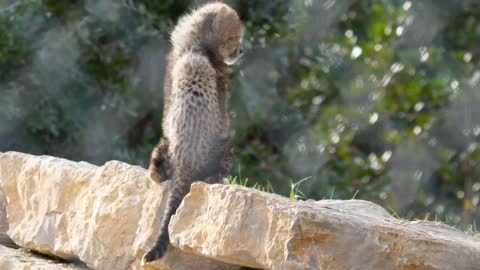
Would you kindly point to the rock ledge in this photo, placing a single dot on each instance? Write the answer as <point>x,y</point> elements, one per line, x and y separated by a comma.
<point>109,216</point>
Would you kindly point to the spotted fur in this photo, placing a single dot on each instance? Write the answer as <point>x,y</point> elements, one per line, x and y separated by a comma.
<point>196,141</point>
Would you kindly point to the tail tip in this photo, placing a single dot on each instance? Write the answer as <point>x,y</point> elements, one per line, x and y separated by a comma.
<point>147,259</point>
<point>153,255</point>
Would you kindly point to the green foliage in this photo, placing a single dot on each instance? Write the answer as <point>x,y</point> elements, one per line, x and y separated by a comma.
<point>295,192</point>
<point>372,99</point>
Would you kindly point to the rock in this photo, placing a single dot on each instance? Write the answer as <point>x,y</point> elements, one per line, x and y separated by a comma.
<point>17,259</point>
<point>3,215</point>
<point>104,216</point>
<point>243,226</point>
<point>360,207</point>
<point>109,216</point>
<point>4,239</point>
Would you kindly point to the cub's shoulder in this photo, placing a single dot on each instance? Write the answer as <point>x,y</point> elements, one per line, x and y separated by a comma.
<point>191,65</point>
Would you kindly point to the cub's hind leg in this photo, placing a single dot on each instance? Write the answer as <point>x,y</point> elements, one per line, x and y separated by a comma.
<point>160,168</point>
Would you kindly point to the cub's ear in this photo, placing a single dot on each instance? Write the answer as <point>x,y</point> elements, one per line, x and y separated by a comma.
<point>208,29</point>
<point>224,19</point>
<point>208,23</point>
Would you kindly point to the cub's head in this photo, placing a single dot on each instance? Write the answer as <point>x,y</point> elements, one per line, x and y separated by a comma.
<point>215,27</point>
<point>227,34</point>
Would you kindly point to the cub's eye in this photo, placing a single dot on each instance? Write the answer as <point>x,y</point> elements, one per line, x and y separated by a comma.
<point>230,41</point>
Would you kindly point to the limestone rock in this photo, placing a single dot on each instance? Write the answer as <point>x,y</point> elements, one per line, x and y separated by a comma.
<point>104,216</point>
<point>3,215</point>
<point>16,259</point>
<point>4,239</point>
<point>109,216</point>
<point>247,227</point>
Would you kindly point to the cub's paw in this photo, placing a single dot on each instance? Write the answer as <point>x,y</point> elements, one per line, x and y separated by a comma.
<point>213,179</point>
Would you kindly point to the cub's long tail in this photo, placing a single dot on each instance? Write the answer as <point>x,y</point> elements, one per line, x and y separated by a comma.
<point>181,186</point>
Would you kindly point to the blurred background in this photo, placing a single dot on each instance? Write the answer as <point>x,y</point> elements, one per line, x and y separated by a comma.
<point>373,99</point>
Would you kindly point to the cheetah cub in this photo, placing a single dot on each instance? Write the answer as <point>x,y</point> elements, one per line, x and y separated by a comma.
<point>196,141</point>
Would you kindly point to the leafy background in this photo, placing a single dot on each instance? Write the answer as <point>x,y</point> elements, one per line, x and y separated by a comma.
<point>374,99</point>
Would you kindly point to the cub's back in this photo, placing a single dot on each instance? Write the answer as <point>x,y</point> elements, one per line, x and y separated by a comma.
<point>193,123</point>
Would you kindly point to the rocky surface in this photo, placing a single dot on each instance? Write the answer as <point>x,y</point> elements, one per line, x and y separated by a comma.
<point>4,238</point>
<point>105,216</point>
<point>17,259</point>
<point>3,216</point>
<point>247,227</point>
<point>108,217</point>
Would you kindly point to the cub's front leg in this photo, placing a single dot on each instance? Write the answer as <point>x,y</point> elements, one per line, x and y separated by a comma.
<point>227,161</point>
<point>223,168</point>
